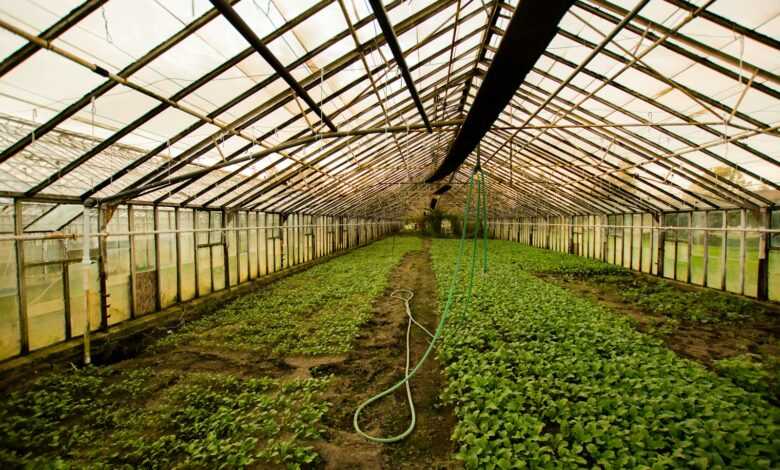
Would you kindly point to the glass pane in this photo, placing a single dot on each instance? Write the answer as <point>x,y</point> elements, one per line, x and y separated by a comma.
<point>218,267</point>
<point>627,241</point>
<point>168,268</point>
<point>647,243</point>
<point>118,269</point>
<point>669,247</point>
<point>715,242</point>
<point>774,275</point>
<point>76,275</point>
<point>232,237</point>
<point>733,253</point>
<point>681,273</point>
<point>636,243</point>
<point>682,261</point>
<point>145,265</point>
<point>752,240</point>
<point>204,271</point>
<point>187,275</point>
<point>45,297</point>
<point>10,340</point>
<point>252,222</point>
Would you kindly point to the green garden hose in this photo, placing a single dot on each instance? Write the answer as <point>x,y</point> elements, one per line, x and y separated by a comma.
<point>481,221</point>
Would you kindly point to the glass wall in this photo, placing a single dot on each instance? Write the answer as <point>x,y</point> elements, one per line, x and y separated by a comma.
<point>118,268</point>
<point>187,254</point>
<point>699,219</point>
<point>774,258</point>
<point>734,247</point>
<point>10,335</point>
<point>718,249</point>
<point>167,241</point>
<point>154,258</point>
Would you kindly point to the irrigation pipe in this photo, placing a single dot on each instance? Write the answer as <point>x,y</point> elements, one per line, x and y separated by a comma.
<point>481,220</point>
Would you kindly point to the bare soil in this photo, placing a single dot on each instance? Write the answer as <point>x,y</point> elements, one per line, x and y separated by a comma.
<point>702,342</point>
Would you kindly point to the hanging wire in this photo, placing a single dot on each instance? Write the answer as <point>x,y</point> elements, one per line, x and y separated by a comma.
<point>105,25</point>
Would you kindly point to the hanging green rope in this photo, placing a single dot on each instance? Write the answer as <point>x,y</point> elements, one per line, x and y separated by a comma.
<point>481,222</point>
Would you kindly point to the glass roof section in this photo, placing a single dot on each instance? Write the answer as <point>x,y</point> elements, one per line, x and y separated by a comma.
<point>634,106</point>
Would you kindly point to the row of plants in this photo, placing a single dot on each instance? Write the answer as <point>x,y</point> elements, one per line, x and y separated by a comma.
<point>649,293</point>
<point>543,379</point>
<point>318,311</point>
<point>102,417</point>
<point>132,416</point>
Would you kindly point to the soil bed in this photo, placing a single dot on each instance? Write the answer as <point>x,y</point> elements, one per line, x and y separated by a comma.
<point>756,335</point>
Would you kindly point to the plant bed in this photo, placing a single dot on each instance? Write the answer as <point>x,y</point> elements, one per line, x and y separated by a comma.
<point>265,381</point>
<point>542,377</point>
<point>737,337</point>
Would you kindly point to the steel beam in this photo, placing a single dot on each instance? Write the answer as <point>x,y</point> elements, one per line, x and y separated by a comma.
<point>533,25</point>
<point>240,25</point>
<point>398,55</point>
<point>52,32</point>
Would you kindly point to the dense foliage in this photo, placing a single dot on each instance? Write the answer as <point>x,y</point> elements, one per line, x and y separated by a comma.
<point>317,311</point>
<point>103,417</point>
<point>646,292</point>
<point>134,417</point>
<point>543,379</point>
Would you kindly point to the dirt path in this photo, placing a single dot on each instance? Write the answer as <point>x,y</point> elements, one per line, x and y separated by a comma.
<point>377,362</point>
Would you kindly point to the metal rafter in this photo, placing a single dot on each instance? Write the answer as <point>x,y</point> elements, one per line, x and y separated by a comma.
<point>240,25</point>
<point>398,55</point>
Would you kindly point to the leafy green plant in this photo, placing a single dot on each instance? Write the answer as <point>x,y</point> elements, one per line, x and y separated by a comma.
<point>543,379</point>
<point>762,376</point>
<point>106,417</point>
<point>318,311</point>
<point>201,421</point>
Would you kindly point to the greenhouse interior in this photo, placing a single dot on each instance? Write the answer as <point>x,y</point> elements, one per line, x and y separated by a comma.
<point>400,234</point>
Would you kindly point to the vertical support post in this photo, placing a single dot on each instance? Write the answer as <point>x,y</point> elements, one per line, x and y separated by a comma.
<point>723,248</point>
<point>661,245</point>
<point>66,298</point>
<point>604,220</point>
<point>764,243</point>
<point>211,250</point>
<point>742,242</point>
<point>195,241</point>
<point>630,241</point>
<point>571,234</point>
<point>706,248</point>
<point>103,218</point>
<point>547,233</point>
<point>676,249</point>
<point>131,237</point>
<point>86,262</point>
<point>690,247</point>
<point>177,238</point>
<point>225,249</point>
<point>24,326</point>
<point>156,225</point>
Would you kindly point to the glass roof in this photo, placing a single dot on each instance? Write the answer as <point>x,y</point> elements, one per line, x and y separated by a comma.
<point>634,106</point>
